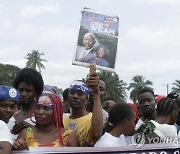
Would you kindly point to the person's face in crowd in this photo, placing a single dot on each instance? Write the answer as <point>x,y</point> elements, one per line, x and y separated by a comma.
<point>100,53</point>
<point>108,105</point>
<point>129,125</point>
<point>44,112</point>
<point>7,109</point>
<point>147,103</point>
<point>88,41</point>
<point>77,98</point>
<point>27,93</point>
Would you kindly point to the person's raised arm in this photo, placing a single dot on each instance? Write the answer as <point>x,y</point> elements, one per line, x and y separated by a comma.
<point>97,117</point>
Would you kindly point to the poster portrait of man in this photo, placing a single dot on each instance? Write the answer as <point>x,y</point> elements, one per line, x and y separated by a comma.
<point>87,52</point>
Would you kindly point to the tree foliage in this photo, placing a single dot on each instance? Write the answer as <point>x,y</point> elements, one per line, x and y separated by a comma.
<point>176,86</point>
<point>137,83</point>
<point>7,74</point>
<point>115,88</point>
<point>35,60</point>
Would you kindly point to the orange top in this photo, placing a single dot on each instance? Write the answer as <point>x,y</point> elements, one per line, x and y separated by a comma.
<point>31,141</point>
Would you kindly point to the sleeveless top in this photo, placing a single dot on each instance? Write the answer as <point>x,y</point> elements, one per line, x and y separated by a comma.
<point>31,141</point>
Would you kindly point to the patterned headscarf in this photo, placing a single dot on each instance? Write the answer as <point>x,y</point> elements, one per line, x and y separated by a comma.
<point>79,85</point>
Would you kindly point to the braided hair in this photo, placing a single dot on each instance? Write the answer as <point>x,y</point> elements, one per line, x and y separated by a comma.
<point>58,113</point>
<point>167,105</point>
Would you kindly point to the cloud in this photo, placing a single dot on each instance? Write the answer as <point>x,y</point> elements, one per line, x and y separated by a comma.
<point>163,68</point>
<point>13,56</point>
<point>142,41</point>
<point>104,1</point>
<point>151,52</point>
<point>5,26</point>
<point>57,42</point>
<point>63,73</point>
<point>33,10</point>
<point>147,37</point>
<point>50,39</point>
<point>153,2</point>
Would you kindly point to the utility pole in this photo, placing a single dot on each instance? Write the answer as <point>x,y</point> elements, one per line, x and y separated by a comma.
<point>167,88</point>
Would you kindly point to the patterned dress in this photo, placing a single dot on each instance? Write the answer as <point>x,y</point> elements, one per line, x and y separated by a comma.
<point>31,141</point>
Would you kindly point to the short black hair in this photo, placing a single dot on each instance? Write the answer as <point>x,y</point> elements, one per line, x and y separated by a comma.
<point>65,94</point>
<point>144,90</point>
<point>30,76</point>
<point>117,114</point>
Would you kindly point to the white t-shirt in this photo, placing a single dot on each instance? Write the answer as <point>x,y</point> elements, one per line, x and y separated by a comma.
<point>105,116</point>
<point>139,123</point>
<point>107,140</point>
<point>165,130</point>
<point>5,134</point>
<point>10,125</point>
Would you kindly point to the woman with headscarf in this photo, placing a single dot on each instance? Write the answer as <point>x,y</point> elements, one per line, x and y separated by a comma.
<point>101,51</point>
<point>49,130</point>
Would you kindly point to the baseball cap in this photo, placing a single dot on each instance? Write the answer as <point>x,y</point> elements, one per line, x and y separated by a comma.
<point>9,93</point>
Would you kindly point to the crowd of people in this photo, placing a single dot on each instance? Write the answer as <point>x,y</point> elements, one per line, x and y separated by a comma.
<point>84,117</point>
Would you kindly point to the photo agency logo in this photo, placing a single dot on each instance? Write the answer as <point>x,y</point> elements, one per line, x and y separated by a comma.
<point>139,139</point>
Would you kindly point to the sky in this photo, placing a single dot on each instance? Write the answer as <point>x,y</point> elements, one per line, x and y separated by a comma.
<point>148,43</point>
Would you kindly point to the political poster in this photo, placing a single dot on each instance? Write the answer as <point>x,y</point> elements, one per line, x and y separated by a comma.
<point>97,40</point>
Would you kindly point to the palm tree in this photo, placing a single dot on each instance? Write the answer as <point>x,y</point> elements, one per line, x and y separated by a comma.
<point>35,60</point>
<point>176,87</point>
<point>138,82</point>
<point>115,88</point>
